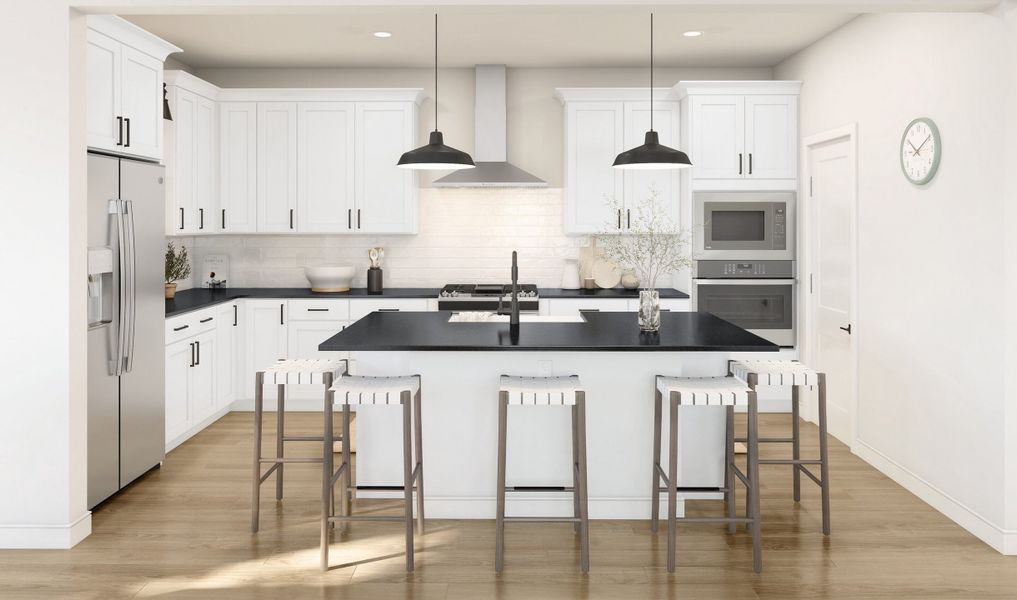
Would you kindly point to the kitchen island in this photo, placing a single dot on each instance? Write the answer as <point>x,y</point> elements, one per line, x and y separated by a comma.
<point>460,364</point>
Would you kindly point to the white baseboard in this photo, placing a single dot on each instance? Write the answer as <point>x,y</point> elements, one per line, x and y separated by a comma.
<point>292,405</point>
<point>46,536</point>
<point>1002,540</point>
<point>180,439</point>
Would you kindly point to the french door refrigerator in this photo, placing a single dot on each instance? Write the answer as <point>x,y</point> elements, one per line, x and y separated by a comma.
<point>126,331</point>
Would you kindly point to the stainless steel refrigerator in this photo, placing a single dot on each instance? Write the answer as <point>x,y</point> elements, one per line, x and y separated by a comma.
<point>126,331</point>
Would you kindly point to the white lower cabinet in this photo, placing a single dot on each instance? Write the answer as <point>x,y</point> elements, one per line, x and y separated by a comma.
<point>190,386</point>
<point>178,377</point>
<point>227,344</point>
<point>265,339</point>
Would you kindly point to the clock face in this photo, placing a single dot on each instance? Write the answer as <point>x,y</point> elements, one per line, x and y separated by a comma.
<point>920,150</point>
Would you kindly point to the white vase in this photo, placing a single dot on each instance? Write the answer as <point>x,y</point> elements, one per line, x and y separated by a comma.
<point>629,279</point>
<point>570,275</point>
<point>649,310</point>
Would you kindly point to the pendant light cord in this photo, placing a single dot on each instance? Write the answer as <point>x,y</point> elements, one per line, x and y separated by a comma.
<point>436,71</point>
<point>651,71</point>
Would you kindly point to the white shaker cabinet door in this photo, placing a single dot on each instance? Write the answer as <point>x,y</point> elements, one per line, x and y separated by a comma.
<point>593,138</point>
<point>103,72</point>
<point>771,136</point>
<point>238,169</point>
<point>180,162</point>
<point>277,167</point>
<point>325,167</point>
<point>304,338</point>
<point>386,196</point>
<point>227,334</point>
<point>718,137</point>
<point>265,336</point>
<point>142,104</point>
<point>639,183</point>
<point>202,392</point>
<point>179,357</point>
<point>205,198</point>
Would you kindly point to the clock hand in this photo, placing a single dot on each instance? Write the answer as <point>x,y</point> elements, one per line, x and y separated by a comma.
<point>922,145</point>
<point>913,147</point>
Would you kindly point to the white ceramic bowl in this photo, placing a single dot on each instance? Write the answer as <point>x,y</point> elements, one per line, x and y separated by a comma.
<point>330,278</point>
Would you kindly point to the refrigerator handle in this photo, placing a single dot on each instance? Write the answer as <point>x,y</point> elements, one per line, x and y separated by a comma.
<point>116,209</point>
<point>132,268</point>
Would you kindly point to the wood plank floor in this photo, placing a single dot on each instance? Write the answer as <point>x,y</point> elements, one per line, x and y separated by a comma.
<point>182,532</point>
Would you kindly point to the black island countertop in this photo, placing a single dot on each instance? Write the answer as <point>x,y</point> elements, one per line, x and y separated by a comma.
<point>198,298</point>
<point>600,331</point>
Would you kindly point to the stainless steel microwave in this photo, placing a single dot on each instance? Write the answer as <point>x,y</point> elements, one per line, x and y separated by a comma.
<point>744,225</point>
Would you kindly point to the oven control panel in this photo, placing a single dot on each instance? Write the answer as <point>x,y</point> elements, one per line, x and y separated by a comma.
<point>779,226</point>
<point>745,269</point>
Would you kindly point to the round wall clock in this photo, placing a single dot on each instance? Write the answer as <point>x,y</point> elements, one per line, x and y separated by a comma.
<point>920,149</point>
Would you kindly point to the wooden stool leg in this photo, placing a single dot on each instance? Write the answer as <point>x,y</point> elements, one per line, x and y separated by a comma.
<point>655,491</point>
<point>823,456</point>
<point>279,432</point>
<point>575,466</point>
<point>499,535</point>
<point>584,511</point>
<point>419,446</point>
<point>672,485</point>
<point>327,498</point>
<point>729,477</point>
<point>408,476</point>
<point>346,481</point>
<point>259,379</point>
<point>796,444</point>
<point>753,476</point>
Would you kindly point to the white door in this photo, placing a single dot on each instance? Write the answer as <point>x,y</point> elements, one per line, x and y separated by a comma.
<point>227,325</point>
<point>103,72</point>
<point>202,393</point>
<point>277,167</point>
<point>771,137</point>
<point>639,183</point>
<point>325,167</point>
<point>205,200</point>
<point>832,226</point>
<point>142,104</point>
<point>264,340</point>
<point>179,358</point>
<point>185,216</point>
<point>385,194</point>
<point>594,137</point>
<point>304,338</point>
<point>238,168</point>
<point>718,137</point>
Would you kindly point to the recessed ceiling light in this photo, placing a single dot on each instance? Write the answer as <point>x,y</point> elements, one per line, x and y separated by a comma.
<point>693,33</point>
<point>382,34</point>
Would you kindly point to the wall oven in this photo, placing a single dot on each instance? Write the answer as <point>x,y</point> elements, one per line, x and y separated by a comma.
<point>740,225</point>
<point>757,295</point>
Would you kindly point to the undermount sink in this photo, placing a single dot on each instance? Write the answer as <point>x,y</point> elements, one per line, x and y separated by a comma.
<point>330,278</point>
<point>487,317</point>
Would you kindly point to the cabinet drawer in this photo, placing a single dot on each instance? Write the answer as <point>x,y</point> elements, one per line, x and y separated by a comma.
<point>672,304</point>
<point>319,310</point>
<point>572,306</point>
<point>361,308</point>
<point>184,326</point>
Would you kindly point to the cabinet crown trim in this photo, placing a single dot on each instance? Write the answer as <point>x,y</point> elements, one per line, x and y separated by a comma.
<point>184,80</point>
<point>415,95</point>
<point>128,33</point>
<point>635,94</point>
<point>690,88</point>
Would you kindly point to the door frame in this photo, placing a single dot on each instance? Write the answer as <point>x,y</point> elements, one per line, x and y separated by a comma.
<point>807,229</point>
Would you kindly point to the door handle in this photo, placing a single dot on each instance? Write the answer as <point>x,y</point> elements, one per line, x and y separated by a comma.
<point>120,131</point>
<point>628,218</point>
<point>388,310</point>
<point>197,345</point>
<point>133,278</point>
<point>358,218</point>
<point>317,310</point>
<point>619,218</point>
<point>750,163</point>
<point>739,163</point>
<point>234,315</point>
<point>181,217</point>
<point>291,218</point>
<point>847,329</point>
<point>127,121</point>
<point>205,320</point>
<point>224,219</point>
<point>192,355</point>
<point>181,328</point>
<point>201,218</point>
<point>281,307</point>
<point>349,218</point>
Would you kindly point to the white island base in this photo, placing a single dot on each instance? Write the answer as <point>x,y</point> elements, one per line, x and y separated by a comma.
<point>460,418</point>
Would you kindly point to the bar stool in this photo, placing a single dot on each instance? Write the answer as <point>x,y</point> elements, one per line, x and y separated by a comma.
<point>282,373</point>
<point>796,375</point>
<point>352,390</point>
<point>706,391</point>
<point>546,391</point>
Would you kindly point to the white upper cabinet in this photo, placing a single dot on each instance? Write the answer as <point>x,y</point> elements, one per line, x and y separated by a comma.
<point>190,156</point>
<point>238,168</point>
<point>124,87</point>
<point>325,167</point>
<point>386,196</point>
<point>742,134</point>
<point>599,124</point>
<point>277,167</point>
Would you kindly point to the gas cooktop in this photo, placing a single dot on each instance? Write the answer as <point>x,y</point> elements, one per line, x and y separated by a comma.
<point>486,290</point>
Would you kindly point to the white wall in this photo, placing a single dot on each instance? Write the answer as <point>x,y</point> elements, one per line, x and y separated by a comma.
<point>931,299</point>
<point>534,115</point>
<point>1011,257</point>
<point>42,433</point>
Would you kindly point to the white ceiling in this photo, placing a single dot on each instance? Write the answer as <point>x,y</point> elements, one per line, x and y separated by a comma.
<point>520,36</point>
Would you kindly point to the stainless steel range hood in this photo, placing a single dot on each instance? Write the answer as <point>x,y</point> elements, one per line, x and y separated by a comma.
<point>493,170</point>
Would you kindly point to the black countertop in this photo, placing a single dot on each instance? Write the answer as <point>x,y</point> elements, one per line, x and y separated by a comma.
<point>197,298</point>
<point>601,331</point>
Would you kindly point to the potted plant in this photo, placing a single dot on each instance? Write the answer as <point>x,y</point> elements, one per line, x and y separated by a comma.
<point>653,246</point>
<point>178,267</point>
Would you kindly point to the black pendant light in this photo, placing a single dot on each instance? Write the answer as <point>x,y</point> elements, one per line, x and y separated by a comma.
<point>652,155</point>
<point>436,155</point>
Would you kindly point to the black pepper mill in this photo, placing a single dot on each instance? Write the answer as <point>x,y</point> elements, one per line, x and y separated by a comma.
<point>374,273</point>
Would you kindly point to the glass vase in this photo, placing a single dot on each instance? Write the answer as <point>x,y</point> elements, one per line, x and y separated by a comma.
<point>649,310</point>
